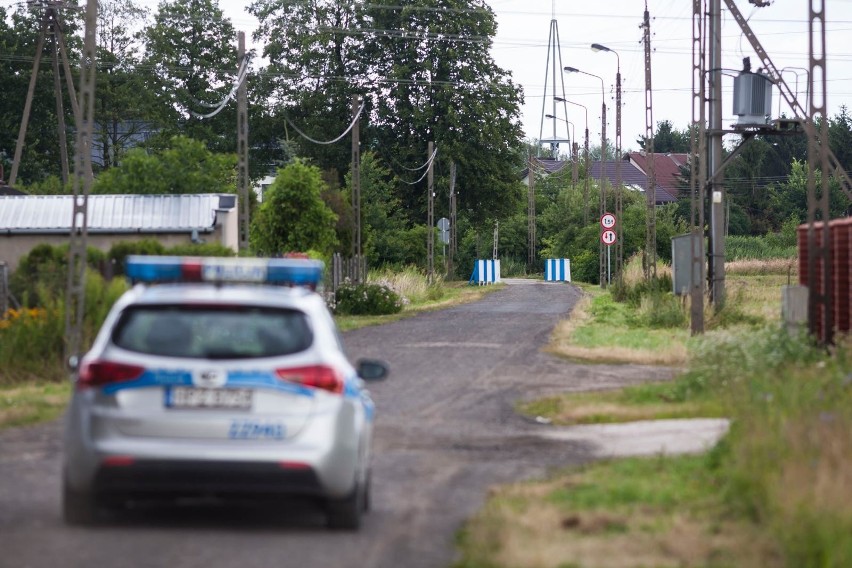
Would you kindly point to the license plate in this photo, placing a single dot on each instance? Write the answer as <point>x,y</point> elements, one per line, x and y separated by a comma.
<point>189,397</point>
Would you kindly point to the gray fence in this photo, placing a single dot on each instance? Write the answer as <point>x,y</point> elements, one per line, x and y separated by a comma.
<point>352,269</point>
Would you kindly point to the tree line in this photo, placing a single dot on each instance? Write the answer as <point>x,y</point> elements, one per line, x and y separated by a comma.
<point>424,72</point>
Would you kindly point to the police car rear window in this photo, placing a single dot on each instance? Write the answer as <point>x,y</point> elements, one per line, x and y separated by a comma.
<point>212,332</point>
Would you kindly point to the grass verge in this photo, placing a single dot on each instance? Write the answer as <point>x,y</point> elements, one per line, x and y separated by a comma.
<point>777,491</point>
<point>660,512</point>
<point>30,403</point>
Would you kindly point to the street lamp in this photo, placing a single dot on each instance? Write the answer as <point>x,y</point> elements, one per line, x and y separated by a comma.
<point>618,189</point>
<point>573,146</point>
<point>588,171</point>
<point>602,260</point>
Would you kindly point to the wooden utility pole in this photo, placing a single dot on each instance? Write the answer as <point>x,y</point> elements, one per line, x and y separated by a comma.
<point>242,145</point>
<point>75,290</point>
<point>356,179</point>
<point>531,214</point>
<point>430,240</point>
<point>453,218</point>
<point>50,22</point>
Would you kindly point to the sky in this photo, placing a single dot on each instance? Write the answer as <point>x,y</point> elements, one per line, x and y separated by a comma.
<point>521,47</point>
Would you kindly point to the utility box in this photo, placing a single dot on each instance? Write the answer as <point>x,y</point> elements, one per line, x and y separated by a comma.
<point>752,98</point>
<point>683,271</point>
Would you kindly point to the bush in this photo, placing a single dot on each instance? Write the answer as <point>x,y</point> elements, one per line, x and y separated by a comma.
<point>366,300</point>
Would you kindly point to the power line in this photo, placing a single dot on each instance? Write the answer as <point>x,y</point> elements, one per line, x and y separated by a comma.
<point>309,139</point>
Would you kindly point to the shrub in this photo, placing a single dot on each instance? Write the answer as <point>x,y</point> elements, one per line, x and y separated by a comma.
<point>366,300</point>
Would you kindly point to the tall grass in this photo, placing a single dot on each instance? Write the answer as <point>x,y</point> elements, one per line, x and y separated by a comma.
<point>410,283</point>
<point>787,463</point>
<point>32,339</point>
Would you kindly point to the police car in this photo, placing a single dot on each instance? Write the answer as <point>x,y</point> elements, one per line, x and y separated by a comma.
<point>219,378</point>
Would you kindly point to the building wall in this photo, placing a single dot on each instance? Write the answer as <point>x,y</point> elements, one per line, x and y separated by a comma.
<point>14,247</point>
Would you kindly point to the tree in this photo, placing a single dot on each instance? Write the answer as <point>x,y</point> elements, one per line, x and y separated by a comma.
<point>840,137</point>
<point>440,83</point>
<point>18,41</point>
<point>122,101</point>
<point>191,59</point>
<point>316,65</point>
<point>186,166</point>
<point>293,216</point>
<point>667,140</point>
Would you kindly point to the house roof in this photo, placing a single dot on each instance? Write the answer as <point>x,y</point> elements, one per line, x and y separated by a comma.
<point>9,190</point>
<point>546,166</point>
<point>630,176</point>
<point>114,213</point>
<point>666,169</point>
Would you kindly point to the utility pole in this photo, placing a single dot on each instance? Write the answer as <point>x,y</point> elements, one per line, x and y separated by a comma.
<point>601,248</point>
<point>430,241</point>
<point>356,178</point>
<point>50,21</point>
<point>531,214</point>
<point>698,169</point>
<point>716,188</point>
<point>820,279</point>
<point>242,147</point>
<point>76,288</point>
<point>650,261</point>
<point>619,227</point>
<point>452,252</point>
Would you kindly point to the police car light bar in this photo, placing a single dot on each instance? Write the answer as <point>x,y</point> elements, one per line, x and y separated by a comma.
<point>282,271</point>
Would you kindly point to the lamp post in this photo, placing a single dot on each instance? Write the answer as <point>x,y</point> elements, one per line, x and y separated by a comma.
<point>586,162</point>
<point>602,257</point>
<point>619,255</point>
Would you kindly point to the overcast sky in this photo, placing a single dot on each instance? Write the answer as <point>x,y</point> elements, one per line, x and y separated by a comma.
<point>521,47</point>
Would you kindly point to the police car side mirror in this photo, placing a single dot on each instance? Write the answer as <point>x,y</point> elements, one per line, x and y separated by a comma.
<point>372,369</point>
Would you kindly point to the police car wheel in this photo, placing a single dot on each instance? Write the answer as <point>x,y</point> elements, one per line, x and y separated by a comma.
<point>78,507</point>
<point>345,514</point>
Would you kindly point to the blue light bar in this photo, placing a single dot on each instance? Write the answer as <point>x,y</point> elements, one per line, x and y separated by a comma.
<point>280,271</point>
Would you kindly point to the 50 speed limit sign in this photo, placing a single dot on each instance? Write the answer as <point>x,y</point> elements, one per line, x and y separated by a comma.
<point>608,237</point>
<point>607,220</point>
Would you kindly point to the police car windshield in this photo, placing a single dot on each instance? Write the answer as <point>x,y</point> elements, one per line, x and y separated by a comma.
<point>212,332</point>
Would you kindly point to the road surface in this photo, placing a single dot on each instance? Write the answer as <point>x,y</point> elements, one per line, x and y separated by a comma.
<point>446,430</point>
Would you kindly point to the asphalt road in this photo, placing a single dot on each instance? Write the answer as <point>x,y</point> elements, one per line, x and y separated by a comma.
<point>445,431</point>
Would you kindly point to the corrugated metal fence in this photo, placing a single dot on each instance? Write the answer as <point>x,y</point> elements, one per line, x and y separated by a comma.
<point>840,233</point>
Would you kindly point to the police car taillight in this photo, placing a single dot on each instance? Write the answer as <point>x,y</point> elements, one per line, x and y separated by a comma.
<point>99,373</point>
<point>315,376</point>
<point>283,271</point>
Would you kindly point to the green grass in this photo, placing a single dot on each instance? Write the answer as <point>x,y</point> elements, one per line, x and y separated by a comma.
<point>32,403</point>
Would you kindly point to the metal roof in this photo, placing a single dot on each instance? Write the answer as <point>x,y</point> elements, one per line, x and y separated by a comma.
<point>113,213</point>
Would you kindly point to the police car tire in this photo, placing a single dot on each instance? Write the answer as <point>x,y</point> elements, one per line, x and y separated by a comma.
<point>78,507</point>
<point>345,514</point>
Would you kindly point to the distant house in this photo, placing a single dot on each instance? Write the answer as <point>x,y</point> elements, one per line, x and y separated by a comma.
<point>633,177</point>
<point>29,220</point>
<point>667,170</point>
<point>544,166</point>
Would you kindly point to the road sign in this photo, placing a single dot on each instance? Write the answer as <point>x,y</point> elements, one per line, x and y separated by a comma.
<point>443,224</point>
<point>607,220</point>
<point>608,237</point>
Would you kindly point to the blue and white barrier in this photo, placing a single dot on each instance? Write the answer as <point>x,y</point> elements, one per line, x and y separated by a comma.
<point>557,269</point>
<point>485,272</point>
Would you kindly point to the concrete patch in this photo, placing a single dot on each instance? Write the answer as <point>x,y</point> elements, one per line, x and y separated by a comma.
<point>644,438</point>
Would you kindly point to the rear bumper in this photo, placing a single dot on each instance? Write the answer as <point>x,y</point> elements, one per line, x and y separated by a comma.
<point>189,478</point>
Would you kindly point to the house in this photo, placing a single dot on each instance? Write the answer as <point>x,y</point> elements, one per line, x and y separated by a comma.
<point>667,170</point>
<point>633,177</point>
<point>545,166</point>
<point>29,220</point>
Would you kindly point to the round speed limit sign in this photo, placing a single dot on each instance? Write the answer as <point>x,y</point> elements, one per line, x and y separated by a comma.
<point>608,237</point>
<point>607,220</point>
